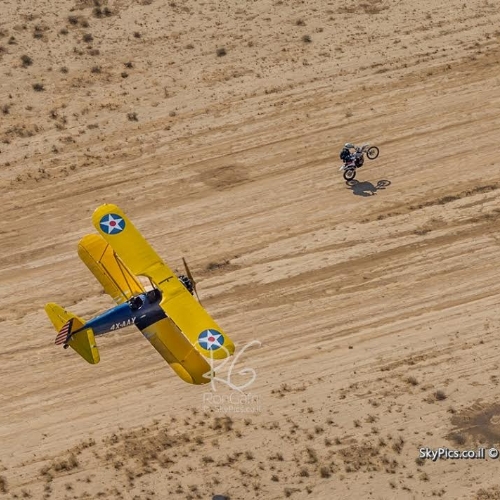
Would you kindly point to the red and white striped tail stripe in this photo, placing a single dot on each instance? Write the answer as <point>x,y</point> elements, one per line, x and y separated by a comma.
<point>63,333</point>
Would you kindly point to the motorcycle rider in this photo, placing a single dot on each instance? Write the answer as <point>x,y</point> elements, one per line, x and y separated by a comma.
<point>345,155</point>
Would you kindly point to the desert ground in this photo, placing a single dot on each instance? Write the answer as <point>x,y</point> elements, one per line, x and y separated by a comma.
<point>367,314</point>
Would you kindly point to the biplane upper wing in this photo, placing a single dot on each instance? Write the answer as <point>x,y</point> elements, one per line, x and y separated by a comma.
<point>114,276</point>
<point>179,305</point>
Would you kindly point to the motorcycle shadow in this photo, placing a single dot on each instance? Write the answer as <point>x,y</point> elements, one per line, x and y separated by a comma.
<point>366,188</point>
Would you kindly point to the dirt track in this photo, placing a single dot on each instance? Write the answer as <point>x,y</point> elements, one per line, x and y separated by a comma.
<point>376,304</point>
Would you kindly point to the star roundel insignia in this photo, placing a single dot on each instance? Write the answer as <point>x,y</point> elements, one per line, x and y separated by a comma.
<point>211,340</point>
<point>112,224</point>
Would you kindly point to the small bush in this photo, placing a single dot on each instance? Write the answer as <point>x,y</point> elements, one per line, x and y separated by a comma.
<point>397,446</point>
<point>99,12</point>
<point>4,485</point>
<point>38,87</point>
<point>440,396</point>
<point>313,456</point>
<point>66,465</point>
<point>325,472</point>
<point>87,38</point>
<point>458,438</point>
<point>26,60</point>
<point>307,39</point>
<point>132,117</point>
<point>221,51</point>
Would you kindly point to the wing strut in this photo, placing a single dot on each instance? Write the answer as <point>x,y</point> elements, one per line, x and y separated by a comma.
<point>190,276</point>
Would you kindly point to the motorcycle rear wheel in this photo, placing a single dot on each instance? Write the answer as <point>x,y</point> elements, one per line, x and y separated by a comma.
<point>372,152</point>
<point>349,174</point>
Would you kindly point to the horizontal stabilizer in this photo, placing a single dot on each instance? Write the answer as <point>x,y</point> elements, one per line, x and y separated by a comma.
<point>71,332</point>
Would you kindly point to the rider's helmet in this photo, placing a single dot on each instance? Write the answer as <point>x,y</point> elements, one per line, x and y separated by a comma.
<point>349,145</point>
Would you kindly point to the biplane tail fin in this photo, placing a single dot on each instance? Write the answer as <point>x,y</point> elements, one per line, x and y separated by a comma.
<point>71,332</point>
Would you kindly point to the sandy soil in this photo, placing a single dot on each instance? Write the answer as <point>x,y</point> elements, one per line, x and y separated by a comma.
<point>375,305</point>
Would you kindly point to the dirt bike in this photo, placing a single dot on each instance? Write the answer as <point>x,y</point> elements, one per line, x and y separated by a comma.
<point>357,160</point>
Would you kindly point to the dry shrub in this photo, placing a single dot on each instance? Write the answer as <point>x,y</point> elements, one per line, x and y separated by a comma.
<point>4,485</point>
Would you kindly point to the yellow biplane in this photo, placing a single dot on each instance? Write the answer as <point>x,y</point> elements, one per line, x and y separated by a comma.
<point>168,315</point>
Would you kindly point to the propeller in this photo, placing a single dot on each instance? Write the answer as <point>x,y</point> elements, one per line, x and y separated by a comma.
<point>190,276</point>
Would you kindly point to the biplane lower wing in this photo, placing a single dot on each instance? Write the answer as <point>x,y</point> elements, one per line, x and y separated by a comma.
<point>179,305</point>
<point>178,352</point>
<point>198,326</point>
<point>114,276</point>
<point>83,342</point>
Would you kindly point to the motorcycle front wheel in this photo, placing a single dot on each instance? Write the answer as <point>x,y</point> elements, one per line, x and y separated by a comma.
<point>372,152</point>
<point>349,174</point>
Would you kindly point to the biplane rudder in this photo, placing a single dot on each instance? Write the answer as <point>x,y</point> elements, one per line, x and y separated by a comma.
<point>83,341</point>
